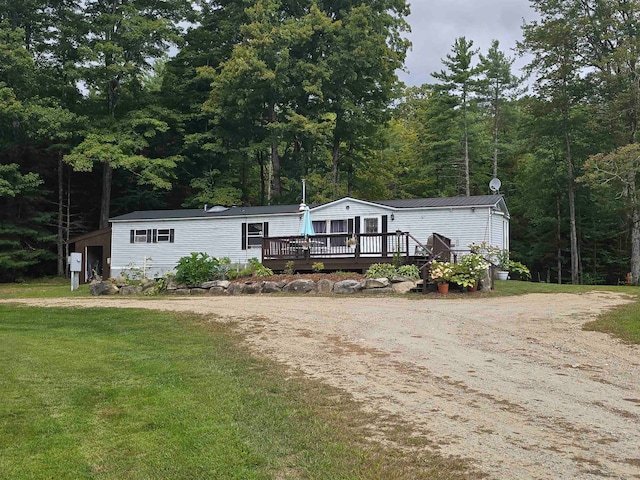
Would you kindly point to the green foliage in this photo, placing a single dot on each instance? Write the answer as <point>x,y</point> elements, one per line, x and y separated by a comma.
<point>257,269</point>
<point>470,269</point>
<point>288,267</point>
<point>380,270</point>
<point>196,268</point>
<point>442,272</point>
<point>520,269</point>
<point>317,267</point>
<point>409,271</point>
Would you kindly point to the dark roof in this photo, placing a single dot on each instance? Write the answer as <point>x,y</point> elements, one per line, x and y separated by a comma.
<point>201,213</point>
<point>477,201</point>
<point>473,201</point>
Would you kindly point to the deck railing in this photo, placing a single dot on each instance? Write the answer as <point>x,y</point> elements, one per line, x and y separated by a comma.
<point>337,245</point>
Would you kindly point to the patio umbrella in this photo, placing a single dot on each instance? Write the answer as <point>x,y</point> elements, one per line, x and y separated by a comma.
<point>307,225</point>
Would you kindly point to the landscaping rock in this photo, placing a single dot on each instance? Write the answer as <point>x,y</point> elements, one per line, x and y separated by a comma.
<point>271,287</point>
<point>400,279</point>
<point>252,288</point>
<point>325,286</point>
<point>378,291</point>
<point>300,286</point>
<point>131,290</point>
<point>217,291</point>
<point>147,285</point>
<point>103,288</point>
<point>182,291</point>
<point>376,283</point>
<point>235,289</point>
<point>346,287</point>
<point>198,291</point>
<point>403,287</point>
<point>216,283</point>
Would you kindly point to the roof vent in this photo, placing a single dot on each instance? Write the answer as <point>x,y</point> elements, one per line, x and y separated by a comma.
<point>217,209</point>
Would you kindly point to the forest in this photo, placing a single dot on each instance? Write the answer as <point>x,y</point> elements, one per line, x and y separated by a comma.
<point>110,106</point>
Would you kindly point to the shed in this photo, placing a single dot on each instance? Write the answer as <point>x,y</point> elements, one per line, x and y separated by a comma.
<point>95,248</point>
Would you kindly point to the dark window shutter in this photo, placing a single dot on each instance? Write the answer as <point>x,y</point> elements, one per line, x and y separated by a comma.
<point>132,237</point>
<point>149,236</point>
<point>357,225</point>
<point>155,235</point>
<point>350,226</point>
<point>385,238</point>
<point>244,236</point>
<point>171,235</point>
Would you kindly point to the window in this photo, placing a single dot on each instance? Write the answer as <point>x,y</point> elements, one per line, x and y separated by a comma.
<point>339,226</point>
<point>164,235</point>
<point>152,236</point>
<point>253,233</point>
<point>139,236</point>
<point>371,225</point>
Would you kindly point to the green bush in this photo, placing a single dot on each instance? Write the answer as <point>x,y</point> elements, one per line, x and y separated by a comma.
<point>288,267</point>
<point>317,267</point>
<point>256,268</point>
<point>196,269</point>
<point>410,271</point>
<point>380,270</point>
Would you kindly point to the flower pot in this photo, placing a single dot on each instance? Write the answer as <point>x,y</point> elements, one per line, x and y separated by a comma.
<point>443,288</point>
<point>474,287</point>
<point>502,275</point>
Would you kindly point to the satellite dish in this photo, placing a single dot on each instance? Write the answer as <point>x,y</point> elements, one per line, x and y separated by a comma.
<point>494,185</point>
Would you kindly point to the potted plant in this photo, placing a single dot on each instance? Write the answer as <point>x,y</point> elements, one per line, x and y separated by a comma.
<point>441,273</point>
<point>352,242</point>
<point>502,264</point>
<point>518,271</point>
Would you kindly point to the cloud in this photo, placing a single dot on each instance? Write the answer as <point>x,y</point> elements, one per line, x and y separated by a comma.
<point>435,25</point>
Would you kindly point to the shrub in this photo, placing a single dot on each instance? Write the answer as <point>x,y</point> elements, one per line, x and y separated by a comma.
<point>196,268</point>
<point>410,271</point>
<point>288,267</point>
<point>317,267</point>
<point>519,268</point>
<point>256,268</point>
<point>380,270</point>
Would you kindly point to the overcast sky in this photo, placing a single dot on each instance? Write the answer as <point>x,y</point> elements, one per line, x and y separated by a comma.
<point>435,24</point>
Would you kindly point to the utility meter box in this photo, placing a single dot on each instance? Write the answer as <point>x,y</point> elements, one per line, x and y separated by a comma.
<point>75,262</point>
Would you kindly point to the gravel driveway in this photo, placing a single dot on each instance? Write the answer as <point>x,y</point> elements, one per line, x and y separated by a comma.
<point>511,383</point>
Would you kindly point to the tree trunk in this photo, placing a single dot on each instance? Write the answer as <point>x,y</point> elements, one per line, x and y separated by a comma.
<point>335,165</point>
<point>575,261</point>
<point>559,238</point>
<point>60,226</point>
<point>105,204</point>
<point>276,187</point>
<point>466,150</point>
<point>635,230</point>
<point>495,135</point>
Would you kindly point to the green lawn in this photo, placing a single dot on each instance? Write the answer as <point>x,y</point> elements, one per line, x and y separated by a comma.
<point>108,393</point>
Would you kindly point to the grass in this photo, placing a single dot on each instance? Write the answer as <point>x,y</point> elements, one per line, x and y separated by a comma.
<point>622,322</point>
<point>110,394</point>
<point>54,287</point>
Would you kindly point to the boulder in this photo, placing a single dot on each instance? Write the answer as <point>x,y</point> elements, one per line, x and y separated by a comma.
<point>325,286</point>
<point>400,279</point>
<point>103,288</point>
<point>347,287</point>
<point>217,291</point>
<point>252,288</point>
<point>300,286</point>
<point>378,291</point>
<point>131,290</point>
<point>216,283</point>
<point>147,285</point>
<point>197,291</point>
<point>403,287</point>
<point>376,283</point>
<point>181,291</point>
<point>235,289</point>
<point>271,287</point>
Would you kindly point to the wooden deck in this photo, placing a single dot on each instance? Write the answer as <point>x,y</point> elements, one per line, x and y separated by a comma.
<point>338,251</point>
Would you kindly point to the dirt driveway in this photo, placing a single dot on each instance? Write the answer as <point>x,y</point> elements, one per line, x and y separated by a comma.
<point>511,383</point>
